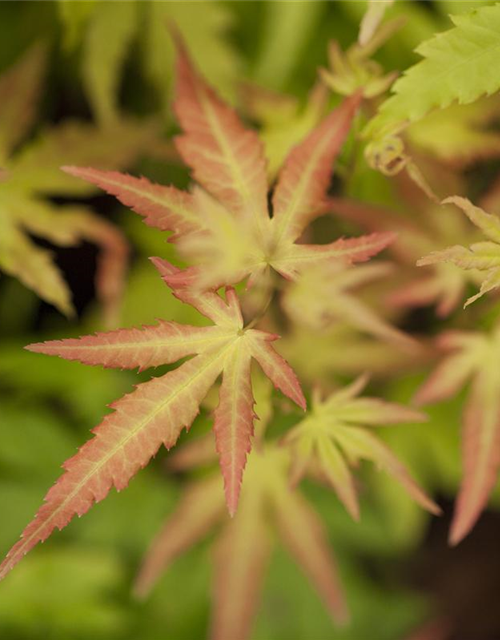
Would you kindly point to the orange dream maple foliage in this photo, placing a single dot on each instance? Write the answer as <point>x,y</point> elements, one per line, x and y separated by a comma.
<point>229,205</point>
<point>272,506</point>
<point>268,509</point>
<point>465,356</point>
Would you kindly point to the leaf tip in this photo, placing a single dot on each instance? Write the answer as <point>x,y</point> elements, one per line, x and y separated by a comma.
<point>458,532</point>
<point>72,170</point>
<point>35,347</point>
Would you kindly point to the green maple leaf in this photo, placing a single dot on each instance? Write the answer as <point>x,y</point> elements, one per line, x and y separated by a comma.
<point>32,172</point>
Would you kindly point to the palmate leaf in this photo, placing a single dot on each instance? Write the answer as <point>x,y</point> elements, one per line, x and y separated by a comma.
<point>482,257</point>
<point>471,355</point>
<point>225,228</point>
<point>331,438</point>
<point>324,296</point>
<point>157,411</point>
<point>33,172</point>
<point>459,66</point>
<point>244,545</point>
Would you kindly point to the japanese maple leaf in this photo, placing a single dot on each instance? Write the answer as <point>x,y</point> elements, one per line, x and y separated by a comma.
<point>243,547</point>
<point>158,410</point>
<point>471,356</point>
<point>225,226</point>
<point>323,296</point>
<point>443,285</point>
<point>32,172</point>
<point>332,437</point>
<point>481,257</point>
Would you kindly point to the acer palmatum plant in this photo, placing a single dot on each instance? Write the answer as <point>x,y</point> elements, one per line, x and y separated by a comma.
<point>224,229</point>
<point>245,233</point>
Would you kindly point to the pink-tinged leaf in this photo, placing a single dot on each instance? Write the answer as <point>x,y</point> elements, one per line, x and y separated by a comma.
<point>362,444</point>
<point>200,508</point>
<point>455,369</point>
<point>207,303</point>
<point>480,452</point>
<point>149,346</point>
<point>337,474</point>
<point>241,557</point>
<point>124,442</point>
<point>303,533</point>
<point>19,89</point>
<point>166,208</point>
<point>303,182</point>
<point>446,380</point>
<point>226,158</point>
<point>275,367</point>
<point>445,287</point>
<point>233,422</point>
<point>294,258</point>
<point>157,411</point>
